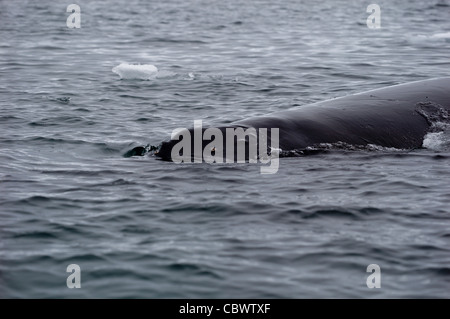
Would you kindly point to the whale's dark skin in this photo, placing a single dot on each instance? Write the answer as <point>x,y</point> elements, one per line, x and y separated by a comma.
<point>394,116</point>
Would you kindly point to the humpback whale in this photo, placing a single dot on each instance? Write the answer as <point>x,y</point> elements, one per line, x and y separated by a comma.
<point>397,116</point>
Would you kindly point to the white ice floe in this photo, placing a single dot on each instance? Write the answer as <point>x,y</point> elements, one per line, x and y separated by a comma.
<point>136,71</point>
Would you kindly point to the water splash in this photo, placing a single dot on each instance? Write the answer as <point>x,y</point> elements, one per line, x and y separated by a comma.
<point>438,138</point>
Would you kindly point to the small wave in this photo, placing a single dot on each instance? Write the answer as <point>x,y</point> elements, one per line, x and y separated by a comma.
<point>141,150</point>
<point>136,71</point>
<point>428,39</point>
<point>445,35</point>
<point>334,212</point>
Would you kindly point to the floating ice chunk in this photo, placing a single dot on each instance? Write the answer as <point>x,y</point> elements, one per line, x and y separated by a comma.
<point>136,71</point>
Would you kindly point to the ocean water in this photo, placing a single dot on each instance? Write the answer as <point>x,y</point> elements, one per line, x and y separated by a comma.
<point>74,101</point>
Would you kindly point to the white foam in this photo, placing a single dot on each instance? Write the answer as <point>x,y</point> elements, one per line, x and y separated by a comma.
<point>136,71</point>
<point>434,141</point>
<point>445,35</point>
<point>438,139</point>
<point>426,38</point>
<point>351,147</point>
